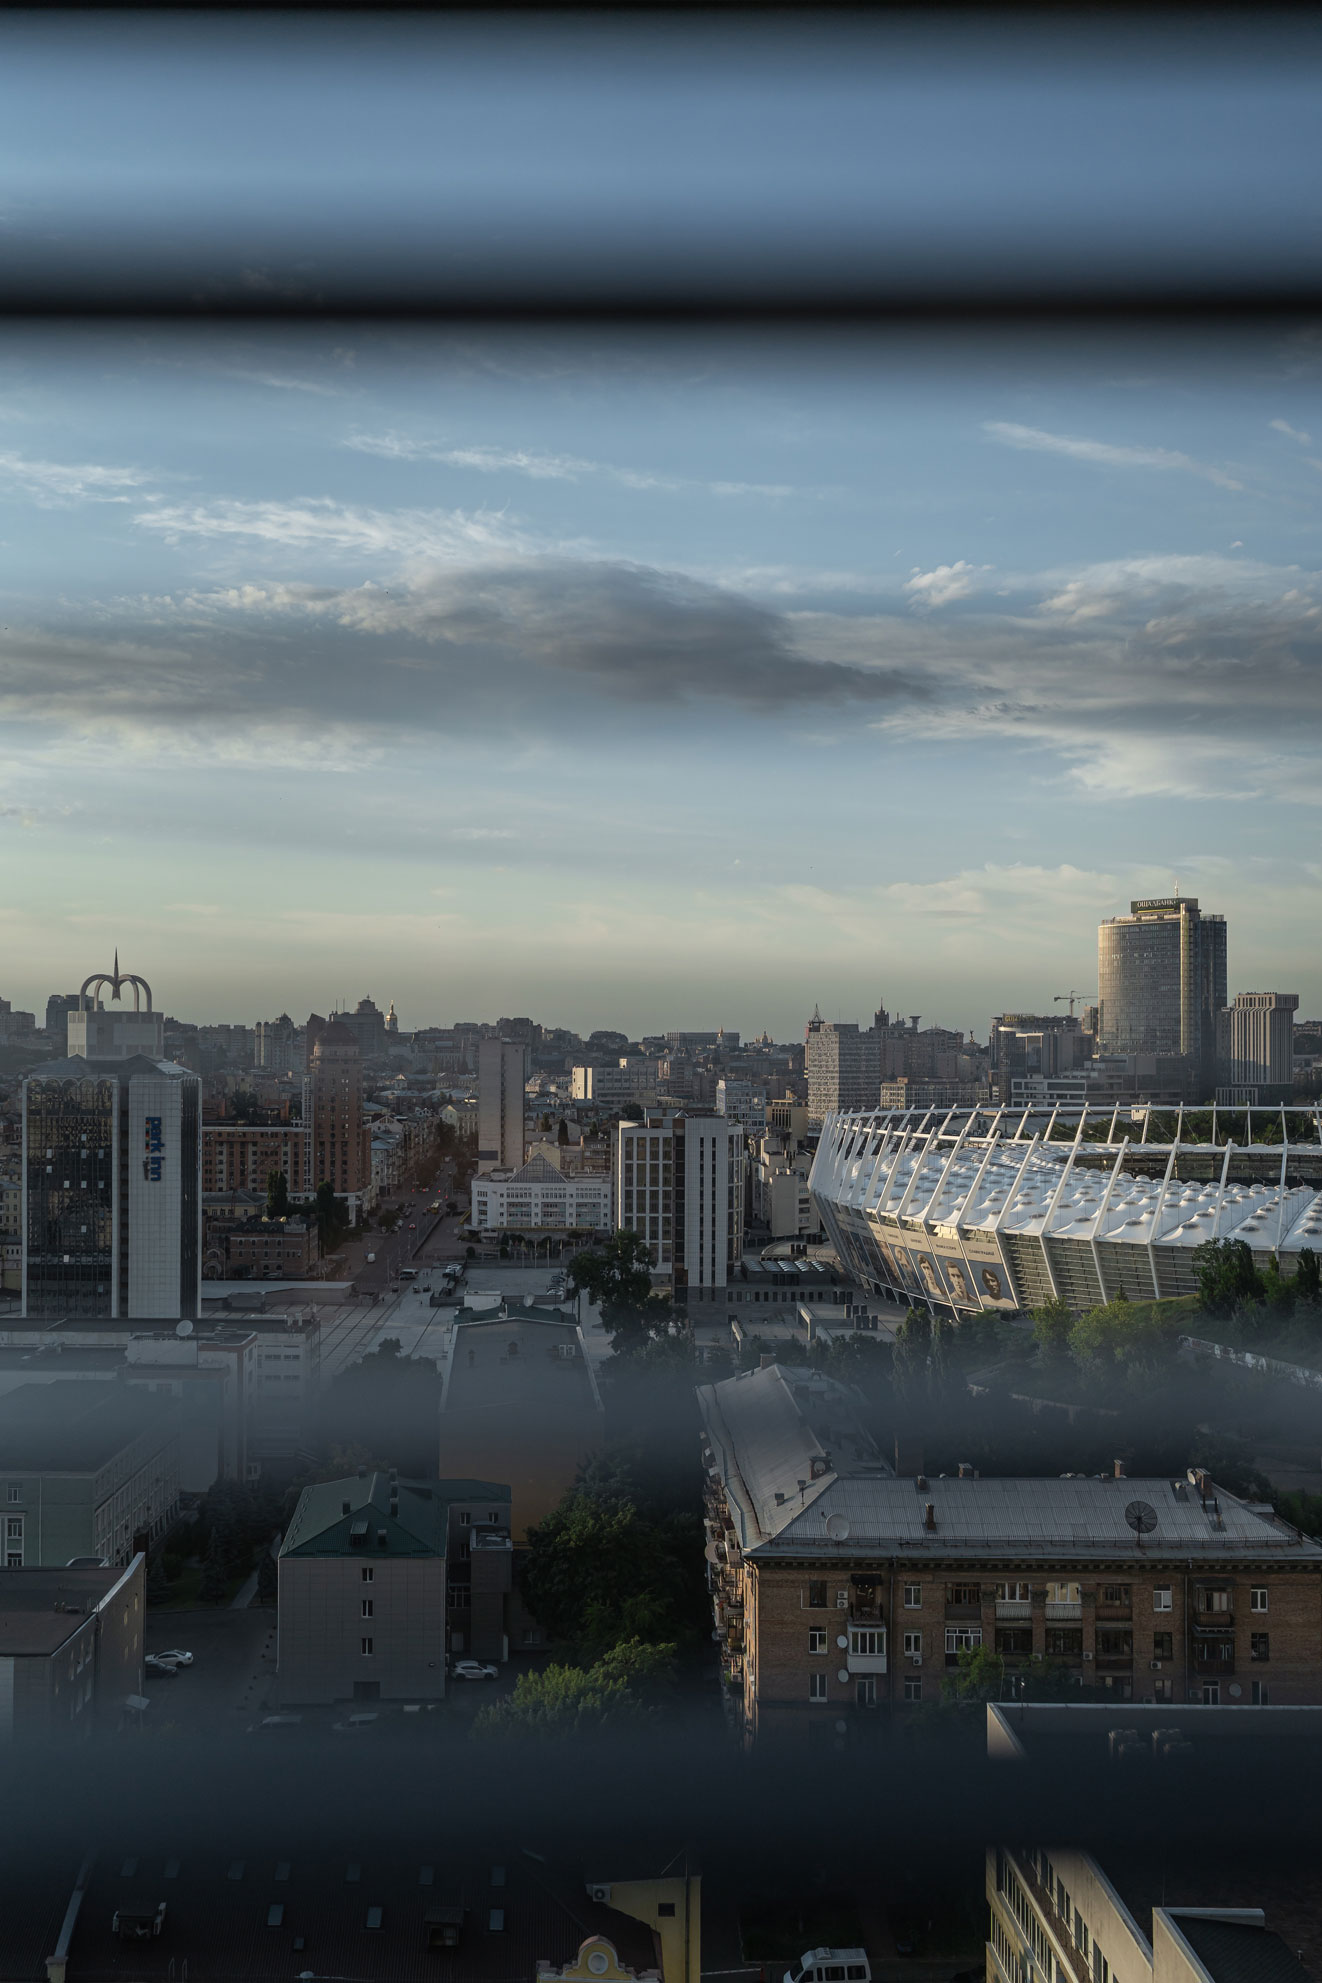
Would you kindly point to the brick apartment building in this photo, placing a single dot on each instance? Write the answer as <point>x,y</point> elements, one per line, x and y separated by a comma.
<point>240,1156</point>
<point>839,1588</point>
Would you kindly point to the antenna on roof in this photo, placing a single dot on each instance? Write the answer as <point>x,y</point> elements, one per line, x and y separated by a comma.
<point>1142,1519</point>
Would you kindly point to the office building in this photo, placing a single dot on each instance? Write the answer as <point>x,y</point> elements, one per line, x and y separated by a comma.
<point>960,1212</point>
<point>538,1197</point>
<point>88,1469</point>
<point>1161,980</point>
<point>633,1079</point>
<point>341,1145</point>
<point>1025,1046</point>
<point>280,1047</point>
<point>112,1202</point>
<point>370,1569</point>
<point>744,1103</point>
<point>679,1184</point>
<point>70,1652</point>
<point>97,1034</point>
<point>840,1587</point>
<point>843,1067</point>
<point>1260,1045</point>
<point>502,1078</point>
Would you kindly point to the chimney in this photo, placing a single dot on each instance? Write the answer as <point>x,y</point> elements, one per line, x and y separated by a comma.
<point>1119,1469</point>
<point>929,1515</point>
<point>345,1508</point>
<point>920,1480</point>
<point>965,1470</point>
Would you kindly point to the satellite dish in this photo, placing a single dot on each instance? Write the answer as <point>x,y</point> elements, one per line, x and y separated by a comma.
<point>837,1527</point>
<point>1142,1519</point>
<point>183,1329</point>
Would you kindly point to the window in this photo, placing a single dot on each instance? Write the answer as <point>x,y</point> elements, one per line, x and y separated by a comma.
<point>1260,1694</point>
<point>1260,1645</point>
<point>374,1918</point>
<point>1116,1595</point>
<point>1063,1594</point>
<point>962,1638</point>
<point>913,1597</point>
<point>1163,1690</point>
<point>913,1645</point>
<point>1064,1644</point>
<point>867,1642</point>
<point>368,1575</point>
<point>817,1597</point>
<point>275,1914</point>
<point>16,1494</point>
<point>913,1687</point>
<point>816,1686</point>
<point>367,1607</point>
<point>1211,1694</point>
<point>1161,1597</point>
<point>1163,1645</point>
<point>963,1594</point>
<point>496,1921</point>
<point>816,1639</point>
<point>1014,1593</point>
<point>366,1648</point>
<point>1258,1598</point>
<point>1214,1600</point>
<point>665,1908</point>
<point>464,1520</point>
<point>866,1691</point>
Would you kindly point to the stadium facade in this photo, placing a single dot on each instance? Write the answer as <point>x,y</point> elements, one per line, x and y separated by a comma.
<point>964,1211</point>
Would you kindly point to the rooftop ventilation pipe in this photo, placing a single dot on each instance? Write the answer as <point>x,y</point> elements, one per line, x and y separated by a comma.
<point>929,1515</point>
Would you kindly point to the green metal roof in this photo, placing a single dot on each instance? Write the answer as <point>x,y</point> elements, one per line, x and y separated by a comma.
<point>417,1526</point>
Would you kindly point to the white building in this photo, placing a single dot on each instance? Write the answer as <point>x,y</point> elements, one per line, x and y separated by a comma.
<point>744,1102</point>
<point>502,1076</point>
<point>991,1209</point>
<point>680,1186</point>
<point>629,1080</point>
<point>539,1198</point>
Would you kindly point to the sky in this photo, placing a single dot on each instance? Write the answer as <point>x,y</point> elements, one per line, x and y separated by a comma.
<point>650,678</point>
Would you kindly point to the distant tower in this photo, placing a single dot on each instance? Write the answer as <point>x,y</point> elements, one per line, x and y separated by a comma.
<point>502,1076</point>
<point>95,1034</point>
<point>392,1019</point>
<point>341,1148</point>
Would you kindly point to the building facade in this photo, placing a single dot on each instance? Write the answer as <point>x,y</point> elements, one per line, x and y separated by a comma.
<point>679,1184</point>
<point>371,1567</point>
<point>70,1650</point>
<point>1161,980</point>
<point>341,1152</point>
<point>965,1210</point>
<point>88,1469</point>
<point>540,1198</point>
<point>843,1067</point>
<point>839,1587</point>
<point>240,1156</point>
<point>502,1076</point>
<point>112,1201</point>
<point>1261,1041</point>
<point>744,1103</point>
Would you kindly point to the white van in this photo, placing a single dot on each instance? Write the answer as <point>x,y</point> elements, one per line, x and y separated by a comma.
<point>831,1966</point>
<point>408,1273</point>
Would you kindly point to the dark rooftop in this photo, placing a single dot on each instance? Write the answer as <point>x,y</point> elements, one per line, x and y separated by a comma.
<point>415,1525</point>
<point>40,1609</point>
<point>1238,1952</point>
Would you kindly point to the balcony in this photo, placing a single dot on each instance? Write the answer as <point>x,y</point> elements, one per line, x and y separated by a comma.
<point>1009,1608</point>
<point>1064,1614</point>
<point>866,1662</point>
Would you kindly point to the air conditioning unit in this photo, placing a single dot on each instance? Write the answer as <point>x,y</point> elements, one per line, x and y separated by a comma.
<point>1087,1655</point>
<point>915,1659</point>
<point>601,1894</point>
<point>1154,1666</point>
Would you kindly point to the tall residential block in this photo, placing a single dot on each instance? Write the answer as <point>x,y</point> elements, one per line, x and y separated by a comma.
<point>341,1152</point>
<point>1161,980</point>
<point>843,1067</point>
<point>502,1077</point>
<point>679,1184</point>
<point>1262,1038</point>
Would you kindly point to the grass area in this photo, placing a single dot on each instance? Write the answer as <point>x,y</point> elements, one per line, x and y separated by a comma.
<point>778,1931</point>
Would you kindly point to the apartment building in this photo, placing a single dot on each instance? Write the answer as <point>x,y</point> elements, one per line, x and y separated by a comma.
<point>539,1197</point>
<point>240,1156</point>
<point>379,1577</point>
<point>840,1588</point>
<point>679,1184</point>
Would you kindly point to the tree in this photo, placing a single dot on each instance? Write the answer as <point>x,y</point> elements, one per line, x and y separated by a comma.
<point>277,1195</point>
<point>563,1702</point>
<point>1052,1323</point>
<point>618,1280</point>
<point>601,1569</point>
<point>1226,1275</point>
<point>562,1133</point>
<point>1308,1275</point>
<point>332,1214</point>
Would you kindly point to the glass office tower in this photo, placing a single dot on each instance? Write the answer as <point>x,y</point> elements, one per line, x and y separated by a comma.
<point>1161,980</point>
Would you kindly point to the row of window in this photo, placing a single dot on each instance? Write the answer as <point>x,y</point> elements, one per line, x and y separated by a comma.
<point>1116,1596</point>
<point>865,1641</point>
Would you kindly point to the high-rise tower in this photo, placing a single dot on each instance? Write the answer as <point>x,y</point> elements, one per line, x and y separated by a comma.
<point>1161,980</point>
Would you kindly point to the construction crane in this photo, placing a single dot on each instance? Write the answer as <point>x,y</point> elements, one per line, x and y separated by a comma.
<point>1060,998</point>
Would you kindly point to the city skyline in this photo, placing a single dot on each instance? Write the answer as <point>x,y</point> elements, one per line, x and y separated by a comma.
<point>644,676</point>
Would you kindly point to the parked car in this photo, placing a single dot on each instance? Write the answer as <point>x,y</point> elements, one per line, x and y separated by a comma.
<point>179,1658</point>
<point>155,1664</point>
<point>279,1721</point>
<point>472,1669</point>
<point>831,1966</point>
<point>352,1723</point>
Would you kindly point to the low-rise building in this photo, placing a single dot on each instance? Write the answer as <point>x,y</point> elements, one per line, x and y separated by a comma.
<point>259,1249</point>
<point>86,1469</point>
<point>70,1649</point>
<point>380,1578</point>
<point>840,1588</point>
<point>539,1197</point>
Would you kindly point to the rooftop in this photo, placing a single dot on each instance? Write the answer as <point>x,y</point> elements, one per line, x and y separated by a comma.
<point>40,1609</point>
<point>777,1436</point>
<point>413,1525</point>
<point>519,1359</point>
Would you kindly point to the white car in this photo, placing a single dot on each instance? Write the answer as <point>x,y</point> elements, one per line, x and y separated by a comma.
<point>179,1658</point>
<point>472,1669</point>
<point>153,1663</point>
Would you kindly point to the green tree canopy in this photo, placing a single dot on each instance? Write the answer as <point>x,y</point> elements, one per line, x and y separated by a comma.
<point>277,1195</point>
<point>617,1278</point>
<point>1226,1275</point>
<point>598,1570</point>
<point>623,1687</point>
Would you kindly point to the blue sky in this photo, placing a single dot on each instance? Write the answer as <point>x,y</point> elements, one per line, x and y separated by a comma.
<point>650,679</point>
